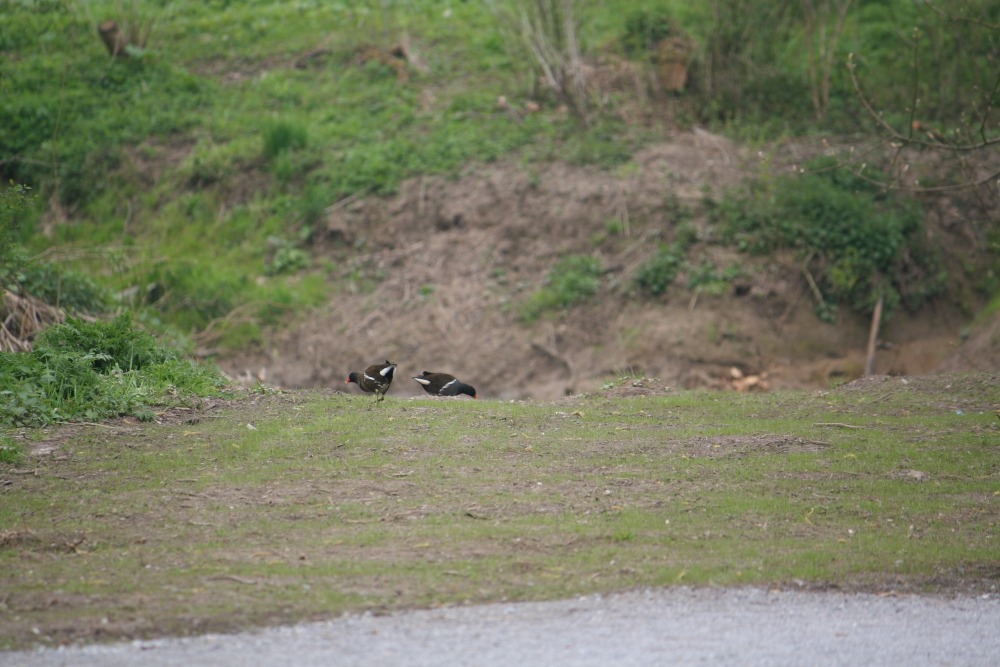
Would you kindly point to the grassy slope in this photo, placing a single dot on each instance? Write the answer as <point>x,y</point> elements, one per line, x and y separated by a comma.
<point>172,198</point>
<point>215,81</point>
<point>326,505</point>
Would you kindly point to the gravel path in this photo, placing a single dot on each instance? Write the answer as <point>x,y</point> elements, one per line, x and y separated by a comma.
<point>678,626</point>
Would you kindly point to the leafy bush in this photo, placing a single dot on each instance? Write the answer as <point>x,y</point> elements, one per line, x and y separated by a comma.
<point>574,279</point>
<point>710,279</point>
<point>866,240</point>
<point>285,257</point>
<point>92,371</point>
<point>644,28</point>
<point>65,288</point>
<point>658,272</point>
<point>116,342</point>
<point>12,259</point>
<point>11,452</point>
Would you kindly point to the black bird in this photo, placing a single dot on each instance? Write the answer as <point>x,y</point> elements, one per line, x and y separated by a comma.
<point>442,384</point>
<point>376,379</point>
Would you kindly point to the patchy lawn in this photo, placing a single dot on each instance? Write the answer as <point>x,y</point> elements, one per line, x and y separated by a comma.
<point>275,508</point>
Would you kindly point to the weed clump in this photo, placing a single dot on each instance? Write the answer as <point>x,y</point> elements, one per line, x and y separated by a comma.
<point>867,242</point>
<point>658,272</point>
<point>283,135</point>
<point>64,288</point>
<point>574,279</point>
<point>92,371</point>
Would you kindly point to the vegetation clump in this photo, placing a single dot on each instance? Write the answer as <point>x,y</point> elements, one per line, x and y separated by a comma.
<point>88,371</point>
<point>574,279</point>
<point>658,272</point>
<point>868,242</point>
<point>12,258</point>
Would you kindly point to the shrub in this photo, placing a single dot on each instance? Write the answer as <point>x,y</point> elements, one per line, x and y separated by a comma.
<point>574,279</point>
<point>867,241</point>
<point>12,259</point>
<point>710,279</point>
<point>65,288</point>
<point>92,371</point>
<point>658,272</point>
<point>285,257</point>
<point>113,344</point>
<point>644,28</point>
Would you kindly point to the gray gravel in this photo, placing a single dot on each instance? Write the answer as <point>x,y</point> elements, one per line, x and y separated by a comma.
<point>677,626</point>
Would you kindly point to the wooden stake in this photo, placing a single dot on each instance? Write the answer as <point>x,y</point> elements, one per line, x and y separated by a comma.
<point>873,335</point>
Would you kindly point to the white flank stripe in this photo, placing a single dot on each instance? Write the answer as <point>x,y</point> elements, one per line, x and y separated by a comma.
<point>448,385</point>
<point>370,377</point>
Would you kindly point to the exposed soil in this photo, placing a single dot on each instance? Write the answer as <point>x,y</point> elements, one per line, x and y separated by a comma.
<point>431,278</point>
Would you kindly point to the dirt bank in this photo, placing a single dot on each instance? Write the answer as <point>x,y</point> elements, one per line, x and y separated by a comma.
<point>431,278</point>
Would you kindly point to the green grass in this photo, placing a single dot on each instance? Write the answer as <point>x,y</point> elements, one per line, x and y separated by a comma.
<point>242,121</point>
<point>88,371</point>
<point>327,506</point>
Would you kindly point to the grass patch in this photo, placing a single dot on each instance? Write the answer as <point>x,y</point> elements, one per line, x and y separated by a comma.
<point>573,280</point>
<point>323,506</point>
<point>92,371</point>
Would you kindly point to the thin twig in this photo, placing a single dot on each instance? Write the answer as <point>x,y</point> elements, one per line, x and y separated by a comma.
<point>838,424</point>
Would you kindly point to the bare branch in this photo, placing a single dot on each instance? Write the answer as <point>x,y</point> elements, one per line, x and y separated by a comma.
<point>894,133</point>
<point>962,19</point>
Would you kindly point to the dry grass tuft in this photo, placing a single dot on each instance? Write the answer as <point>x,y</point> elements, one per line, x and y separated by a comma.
<point>21,318</point>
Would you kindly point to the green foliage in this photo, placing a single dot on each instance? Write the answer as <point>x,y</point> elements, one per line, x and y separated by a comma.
<point>708,278</point>
<point>116,344</point>
<point>92,371</point>
<point>283,135</point>
<point>285,257</point>
<point>644,28</point>
<point>11,452</point>
<point>65,288</point>
<point>74,110</point>
<point>868,242</point>
<point>574,279</point>
<point>12,258</point>
<point>273,146</point>
<point>657,273</point>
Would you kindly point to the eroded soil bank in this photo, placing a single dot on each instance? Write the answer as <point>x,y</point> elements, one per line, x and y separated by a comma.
<point>432,277</point>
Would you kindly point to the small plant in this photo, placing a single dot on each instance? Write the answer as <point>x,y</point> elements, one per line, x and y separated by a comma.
<point>658,272</point>
<point>616,227</point>
<point>11,452</point>
<point>283,135</point>
<point>64,288</point>
<point>285,257</point>
<point>574,279</point>
<point>644,28</point>
<point>12,259</point>
<point>707,278</point>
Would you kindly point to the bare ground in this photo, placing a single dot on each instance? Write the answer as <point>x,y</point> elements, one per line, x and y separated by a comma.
<point>431,278</point>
